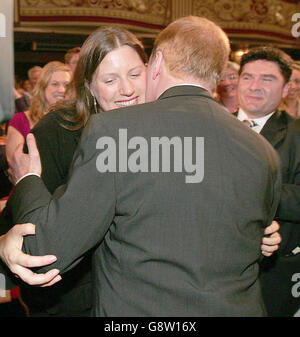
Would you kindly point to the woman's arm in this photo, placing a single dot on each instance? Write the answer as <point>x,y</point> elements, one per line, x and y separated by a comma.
<point>14,139</point>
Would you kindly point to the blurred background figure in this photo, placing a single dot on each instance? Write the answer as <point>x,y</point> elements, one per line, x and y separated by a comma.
<point>50,88</point>
<point>33,76</point>
<point>23,90</point>
<point>227,87</point>
<point>71,58</point>
<point>291,103</point>
<point>26,87</point>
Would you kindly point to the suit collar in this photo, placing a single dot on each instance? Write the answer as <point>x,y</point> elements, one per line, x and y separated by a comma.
<point>259,122</point>
<point>185,90</point>
<point>276,127</point>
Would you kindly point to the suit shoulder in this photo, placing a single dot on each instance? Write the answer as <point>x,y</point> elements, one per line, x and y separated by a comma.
<point>295,125</point>
<point>239,135</point>
<point>286,116</point>
<point>115,116</point>
<point>294,132</point>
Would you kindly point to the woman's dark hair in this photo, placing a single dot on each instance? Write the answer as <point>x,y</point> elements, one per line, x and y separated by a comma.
<point>95,48</point>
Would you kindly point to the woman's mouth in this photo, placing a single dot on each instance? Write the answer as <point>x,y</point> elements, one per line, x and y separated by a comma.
<point>133,101</point>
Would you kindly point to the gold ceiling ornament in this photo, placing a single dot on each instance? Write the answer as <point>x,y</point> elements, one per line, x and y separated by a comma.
<point>264,20</point>
<point>31,2</point>
<point>143,11</point>
<point>140,6</point>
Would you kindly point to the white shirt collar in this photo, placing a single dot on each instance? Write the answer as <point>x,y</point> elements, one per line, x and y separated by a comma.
<point>261,121</point>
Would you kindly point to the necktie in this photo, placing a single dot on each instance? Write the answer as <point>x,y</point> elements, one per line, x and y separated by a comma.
<point>250,123</point>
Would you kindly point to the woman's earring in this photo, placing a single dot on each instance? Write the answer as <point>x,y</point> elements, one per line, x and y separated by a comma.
<point>95,104</point>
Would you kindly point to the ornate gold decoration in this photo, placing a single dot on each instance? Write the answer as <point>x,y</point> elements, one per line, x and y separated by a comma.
<point>144,17</point>
<point>155,9</point>
<point>253,17</point>
<point>268,20</point>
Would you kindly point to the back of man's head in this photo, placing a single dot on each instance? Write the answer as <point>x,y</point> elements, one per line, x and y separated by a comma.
<point>194,47</point>
<point>271,54</point>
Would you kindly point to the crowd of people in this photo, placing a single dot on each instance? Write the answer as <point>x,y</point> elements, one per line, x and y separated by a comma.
<point>152,242</point>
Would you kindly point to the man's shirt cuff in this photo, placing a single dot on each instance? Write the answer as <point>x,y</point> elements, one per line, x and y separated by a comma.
<point>26,175</point>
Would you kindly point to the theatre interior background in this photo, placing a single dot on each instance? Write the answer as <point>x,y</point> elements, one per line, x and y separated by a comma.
<point>35,32</point>
<point>45,29</point>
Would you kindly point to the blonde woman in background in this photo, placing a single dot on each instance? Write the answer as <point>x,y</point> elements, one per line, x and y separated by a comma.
<point>291,103</point>
<point>50,88</point>
<point>227,87</point>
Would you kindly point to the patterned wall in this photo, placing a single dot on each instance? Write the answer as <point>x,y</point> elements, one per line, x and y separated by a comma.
<point>256,19</point>
<point>265,20</point>
<point>141,15</point>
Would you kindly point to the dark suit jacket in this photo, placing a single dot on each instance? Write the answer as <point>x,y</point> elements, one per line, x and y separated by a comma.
<point>283,132</point>
<point>164,247</point>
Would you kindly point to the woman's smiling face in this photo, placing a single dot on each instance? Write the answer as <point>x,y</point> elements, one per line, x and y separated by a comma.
<point>120,79</point>
<point>57,86</point>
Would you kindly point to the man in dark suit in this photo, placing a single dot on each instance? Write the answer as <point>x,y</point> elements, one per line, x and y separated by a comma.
<point>264,81</point>
<point>174,195</point>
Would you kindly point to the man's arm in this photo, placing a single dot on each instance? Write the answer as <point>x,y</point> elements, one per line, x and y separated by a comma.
<point>76,217</point>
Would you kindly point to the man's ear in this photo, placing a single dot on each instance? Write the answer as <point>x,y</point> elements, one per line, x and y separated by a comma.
<point>286,89</point>
<point>158,63</point>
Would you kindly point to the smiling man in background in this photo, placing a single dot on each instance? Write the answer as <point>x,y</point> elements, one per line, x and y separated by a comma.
<point>264,80</point>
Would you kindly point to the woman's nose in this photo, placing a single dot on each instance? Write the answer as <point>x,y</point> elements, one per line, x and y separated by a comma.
<point>126,88</point>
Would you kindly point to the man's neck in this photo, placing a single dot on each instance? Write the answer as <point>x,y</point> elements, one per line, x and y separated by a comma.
<point>263,118</point>
<point>170,83</point>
